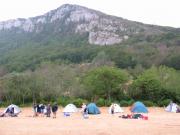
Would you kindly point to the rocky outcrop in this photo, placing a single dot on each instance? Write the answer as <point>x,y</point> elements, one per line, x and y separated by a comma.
<point>103,29</point>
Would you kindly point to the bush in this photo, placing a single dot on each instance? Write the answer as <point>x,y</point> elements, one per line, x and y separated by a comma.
<point>149,103</point>
<point>124,103</point>
<point>78,102</point>
<point>100,102</point>
<point>130,102</point>
<point>63,101</point>
<point>164,102</point>
<point>4,104</point>
<point>107,102</point>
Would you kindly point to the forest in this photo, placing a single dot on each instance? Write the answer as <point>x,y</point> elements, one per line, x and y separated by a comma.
<point>142,68</point>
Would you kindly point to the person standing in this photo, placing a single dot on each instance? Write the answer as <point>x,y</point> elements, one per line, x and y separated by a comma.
<point>84,111</point>
<point>54,109</point>
<point>34,109</point>
<point>38,110</point>
<point>83,108</point>
<point>112,108</point>
<point>48,110</point>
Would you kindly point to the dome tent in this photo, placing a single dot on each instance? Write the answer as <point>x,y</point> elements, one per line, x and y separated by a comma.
<point>70,108</point>
<point>172,107</point>
<point>117,109</point>
<point>92,109</point>
<point>16,109</point>
<point>139,107</point>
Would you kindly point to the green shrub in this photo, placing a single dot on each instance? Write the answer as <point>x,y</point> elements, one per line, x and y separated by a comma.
<point>130,102</point>
<point>63,101</point>
<point>164,102</point>
<point>78,102</point>
<point>4,104</point>
<point>148,103</point>
<point>124,103</point>
<point>107,102</point>
<point>100,102</point>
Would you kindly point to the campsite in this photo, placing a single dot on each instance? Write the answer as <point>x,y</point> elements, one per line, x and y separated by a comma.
<point>159,122</point>
<point>82,69</point>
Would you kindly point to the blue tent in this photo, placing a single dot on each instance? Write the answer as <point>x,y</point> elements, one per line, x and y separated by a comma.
<point>93,109</point>
<point>139,107</point>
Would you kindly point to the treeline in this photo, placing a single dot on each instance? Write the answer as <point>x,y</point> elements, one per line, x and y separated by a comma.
<point>99,81</point>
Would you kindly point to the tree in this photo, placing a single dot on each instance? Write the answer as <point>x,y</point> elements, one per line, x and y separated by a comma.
<point>146,86</point>
<point>102,59</point>
<point>157,83</point>
<point>104,81</point>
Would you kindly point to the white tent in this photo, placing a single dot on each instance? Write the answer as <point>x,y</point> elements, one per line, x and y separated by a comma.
<point>70,108</point>
<point>16,109</point>
<point>117,109</point>
<point>172,107</point>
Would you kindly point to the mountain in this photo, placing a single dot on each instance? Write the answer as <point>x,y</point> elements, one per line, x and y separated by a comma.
<point>69,32</point>
<point>100,28</point>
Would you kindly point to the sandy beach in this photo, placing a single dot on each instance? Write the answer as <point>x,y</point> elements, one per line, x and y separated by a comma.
<point>159,123</point>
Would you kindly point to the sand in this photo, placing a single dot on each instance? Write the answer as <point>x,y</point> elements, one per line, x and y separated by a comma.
<point>159,123</point>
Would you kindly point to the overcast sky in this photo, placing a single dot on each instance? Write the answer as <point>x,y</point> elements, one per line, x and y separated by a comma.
<point>159,12</point>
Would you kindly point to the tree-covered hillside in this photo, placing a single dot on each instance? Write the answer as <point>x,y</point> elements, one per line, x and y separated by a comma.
<point>71,53</point>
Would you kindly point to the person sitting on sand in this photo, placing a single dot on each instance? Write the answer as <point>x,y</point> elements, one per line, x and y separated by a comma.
<point>54,109</point>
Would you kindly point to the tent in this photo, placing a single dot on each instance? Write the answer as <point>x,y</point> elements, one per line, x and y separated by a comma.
<point>92,109</point>
<point>117,109</point>
<point>172,107</point>
<point>139,107</point>
<point>16,109</point>
<point>70,108</point>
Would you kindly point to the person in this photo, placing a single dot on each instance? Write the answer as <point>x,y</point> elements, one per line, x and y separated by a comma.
<point>112,108</point>
<point>38,109</point>
<point>178,109</point>
<point>48,113</point>
<point>34,109</point>
<point>42,107</point>
<point>84,110</point>
<point>54,109</point>
<point>171,105</point>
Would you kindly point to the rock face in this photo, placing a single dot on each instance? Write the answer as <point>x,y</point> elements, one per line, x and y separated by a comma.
<point>102,29</point>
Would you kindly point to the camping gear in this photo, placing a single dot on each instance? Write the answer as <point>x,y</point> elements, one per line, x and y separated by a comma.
<point>66,114</point>
<point>117,108</point>
<point>172,107</point>
<point>70,108</point>
<point>16,109</point>
<point>85,116</point>
<point>139,107</point>
<point>134,116</point>
<point>92,109</point>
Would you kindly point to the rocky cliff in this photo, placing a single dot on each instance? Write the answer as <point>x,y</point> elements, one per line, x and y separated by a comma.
<point>102,29</point>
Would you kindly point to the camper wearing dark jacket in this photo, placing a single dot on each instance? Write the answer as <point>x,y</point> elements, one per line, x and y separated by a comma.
<point>54,109</point>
